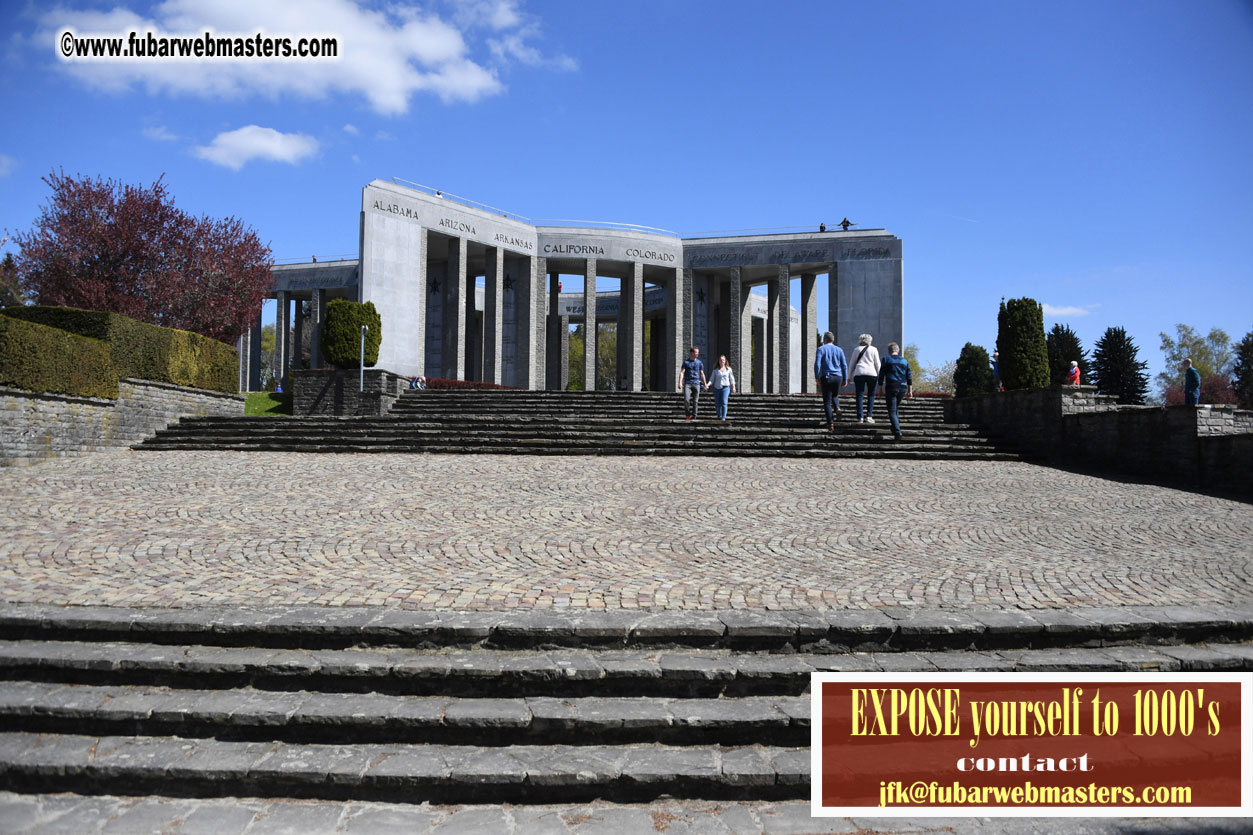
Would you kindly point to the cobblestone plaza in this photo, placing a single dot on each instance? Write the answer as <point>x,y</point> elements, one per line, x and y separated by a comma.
<point>502,532</point>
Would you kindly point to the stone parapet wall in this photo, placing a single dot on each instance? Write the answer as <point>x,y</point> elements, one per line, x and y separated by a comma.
<point>332,392</point>
<point>1205,445</point>
<point>35,426</point>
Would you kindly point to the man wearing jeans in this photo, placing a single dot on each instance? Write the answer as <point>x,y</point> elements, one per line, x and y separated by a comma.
<point>692,380</point>
<point>897,379</point>
<point>831,371</point>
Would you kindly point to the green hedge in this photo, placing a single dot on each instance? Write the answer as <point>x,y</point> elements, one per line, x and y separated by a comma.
<point>144,351</point>
<point>341,333</point>
<point>36,357</point>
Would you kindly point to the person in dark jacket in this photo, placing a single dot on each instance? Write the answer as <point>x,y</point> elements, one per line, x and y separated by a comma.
<point>897,380</point>
<point>1191,383</point>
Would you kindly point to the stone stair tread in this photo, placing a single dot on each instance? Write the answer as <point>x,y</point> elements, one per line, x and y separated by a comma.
<point>294,709</point>
<point>211,765</point>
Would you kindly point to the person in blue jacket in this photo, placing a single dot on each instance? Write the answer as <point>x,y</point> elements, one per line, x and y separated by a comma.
<point>831,372</point>
<point>897,379</point>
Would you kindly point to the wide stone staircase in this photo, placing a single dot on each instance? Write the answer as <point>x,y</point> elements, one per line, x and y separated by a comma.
<point>524,707</point>
<point>596,423</point>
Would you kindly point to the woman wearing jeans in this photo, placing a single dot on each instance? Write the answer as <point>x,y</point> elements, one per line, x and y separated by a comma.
<point>722,381</point>
<point>865,375</point>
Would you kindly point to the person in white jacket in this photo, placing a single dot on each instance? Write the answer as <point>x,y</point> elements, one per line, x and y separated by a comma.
<point>865,375</point>
<point>722,381</point>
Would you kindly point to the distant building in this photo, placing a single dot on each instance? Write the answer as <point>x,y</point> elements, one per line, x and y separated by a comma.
<point>423,256</point>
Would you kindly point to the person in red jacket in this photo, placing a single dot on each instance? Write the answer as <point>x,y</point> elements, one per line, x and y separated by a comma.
<point>1072,377</point>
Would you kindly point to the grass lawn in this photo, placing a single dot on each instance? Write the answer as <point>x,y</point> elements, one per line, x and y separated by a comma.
<point>267,404</point>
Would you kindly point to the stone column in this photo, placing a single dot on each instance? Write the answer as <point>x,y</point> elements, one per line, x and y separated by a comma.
<point>455,329</point>
<point>780,331</point>
<point>423,291</point>
<point>254,355</point>
<point>809,330</point>
<point>589,325</point>
<point>298,338</point>
<point>563,357</point>
<point>555,367</point>
<point>833,301</point>
<point>678,336</point>
<point>317,306</point>
<point>494,316</point>
<point>740,325</point>
<point>241,352</point>
<point>631,329</point>
<point>282,334</point>
<point>529,303</point>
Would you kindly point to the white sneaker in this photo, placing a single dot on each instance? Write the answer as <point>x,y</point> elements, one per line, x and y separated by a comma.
<point>869,420</point>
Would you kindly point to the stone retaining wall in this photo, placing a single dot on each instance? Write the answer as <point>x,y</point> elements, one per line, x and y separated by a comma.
<point>1204,445</point>
<point>331,392</point>
<point>35,426</point>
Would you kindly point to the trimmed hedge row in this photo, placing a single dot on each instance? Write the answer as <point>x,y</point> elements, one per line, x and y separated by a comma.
<point>144,351</point>
<point>37,357</point>
<point>341,333</point>
<point>444,383</point>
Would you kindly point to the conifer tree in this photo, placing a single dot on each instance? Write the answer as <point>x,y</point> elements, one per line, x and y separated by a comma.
<point>1117,368</point>
<point>973,374</point>
<point>1064,347</point>
<point>1242,372</point>
<point>1024,361</point>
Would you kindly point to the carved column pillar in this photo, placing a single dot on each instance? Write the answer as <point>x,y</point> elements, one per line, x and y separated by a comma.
<point>809,330</point>
<point>589,325</point>
<point>282,336</point>
<point>494,316</point>
<point>454,348</point>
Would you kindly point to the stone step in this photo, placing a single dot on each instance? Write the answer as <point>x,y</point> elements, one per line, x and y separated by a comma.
<point>811,631</point>
<point>554,673</point>
<point>412,773</point>
<point>338,717</point>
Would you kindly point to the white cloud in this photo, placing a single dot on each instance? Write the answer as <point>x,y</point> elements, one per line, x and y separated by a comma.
<point>7,165</point>
<point>386,55</point>
<point>234,149</point>
<point>351,129</point>
<point>160,133</point>
<point>1055,311</point>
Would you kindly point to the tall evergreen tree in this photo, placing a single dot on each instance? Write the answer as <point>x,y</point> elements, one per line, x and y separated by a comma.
<point>1242,372</point>
<point>973,374</point>
<point>1117,368</point>
<point>1064,347</point>
<point>10,291</point>
<point>1020,339</point>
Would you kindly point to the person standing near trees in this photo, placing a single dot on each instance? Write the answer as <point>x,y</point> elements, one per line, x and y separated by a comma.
<point>722,381</point>
<point>1072,376</point>
<point>866,376</point>
<point>1191,383</point>
<point>897,379</point>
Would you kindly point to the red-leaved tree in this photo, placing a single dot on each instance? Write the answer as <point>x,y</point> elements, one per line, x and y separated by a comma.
<point>105,245</point>
<point>1216,390</point>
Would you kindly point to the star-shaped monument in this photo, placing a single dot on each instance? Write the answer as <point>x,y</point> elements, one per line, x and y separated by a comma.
<point>435,285</point>
<point>700,295</point>
<point>508,282</point>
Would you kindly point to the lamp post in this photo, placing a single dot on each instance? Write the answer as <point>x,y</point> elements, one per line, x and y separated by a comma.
<point>362,383</point>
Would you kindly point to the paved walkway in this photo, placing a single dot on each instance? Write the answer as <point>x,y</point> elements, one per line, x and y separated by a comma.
<point>501,532</point>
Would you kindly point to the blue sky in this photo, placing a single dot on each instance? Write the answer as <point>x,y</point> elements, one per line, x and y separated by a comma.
<point>1095,156</point>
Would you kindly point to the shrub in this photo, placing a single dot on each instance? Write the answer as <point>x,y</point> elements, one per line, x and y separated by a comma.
<point>341,333</point>
<point>1024,361</point>
<point>973,374</point>
<point>143,351</point>
<point>444,383</point>
<point>36,357</point>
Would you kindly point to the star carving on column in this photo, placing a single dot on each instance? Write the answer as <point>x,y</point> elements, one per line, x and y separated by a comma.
<point>509,282</point>
<point>700,295</point>
<point>435,285</point>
